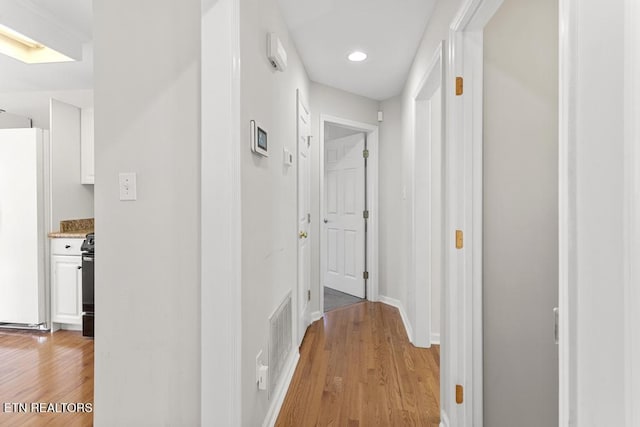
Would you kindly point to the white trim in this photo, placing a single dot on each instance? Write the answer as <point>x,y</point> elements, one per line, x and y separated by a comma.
<point>444,420</point>
<point>464,208</point>
<point>315,315</point>
<point>372,195</point>
<point>567,263</point>
<point>435,338</point>
<point>403,314</point>
<point>281,392</point>
<point>302,319</point>
<point>422,300</point>
<point>632,214</point>
<point>221,256</point>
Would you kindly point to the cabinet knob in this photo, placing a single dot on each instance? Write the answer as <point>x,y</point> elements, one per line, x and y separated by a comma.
<point>79,267</point>
<point>67,246</point>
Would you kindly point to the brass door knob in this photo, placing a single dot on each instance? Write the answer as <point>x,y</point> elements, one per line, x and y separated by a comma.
<point>303,235</point>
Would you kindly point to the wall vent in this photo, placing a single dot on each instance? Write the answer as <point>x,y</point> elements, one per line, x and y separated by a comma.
<point>280,341</point>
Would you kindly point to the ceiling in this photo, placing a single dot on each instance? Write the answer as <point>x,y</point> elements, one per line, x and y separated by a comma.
<point>62,24</point>
<point>389,31</point>
<point>324,32</point>
<point>334,131</point>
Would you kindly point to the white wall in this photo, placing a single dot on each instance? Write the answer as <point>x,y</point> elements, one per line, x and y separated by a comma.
<point>147,287</point>
<point>392,274</point>
<point>599,199</point>
<point>269,227</point>
<point>69,198</point>
<point>345,105</point>
<point>520,214</point>
<point>35,104</point>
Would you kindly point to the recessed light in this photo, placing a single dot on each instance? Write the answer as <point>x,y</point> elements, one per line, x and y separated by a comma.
<point>357,56</point>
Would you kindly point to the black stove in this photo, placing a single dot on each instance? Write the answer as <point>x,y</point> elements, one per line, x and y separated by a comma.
<point>88,303</point>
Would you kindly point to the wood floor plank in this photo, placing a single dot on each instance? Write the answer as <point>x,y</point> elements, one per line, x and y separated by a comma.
<point>357,368</point>
<point>39,367</point>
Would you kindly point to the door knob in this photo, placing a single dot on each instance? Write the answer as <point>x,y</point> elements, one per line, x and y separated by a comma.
<point>326,220</point>
<point>303,235</point>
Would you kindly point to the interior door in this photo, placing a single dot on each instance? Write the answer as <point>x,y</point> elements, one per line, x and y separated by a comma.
<point>303,217</point>
<point>344,222</point>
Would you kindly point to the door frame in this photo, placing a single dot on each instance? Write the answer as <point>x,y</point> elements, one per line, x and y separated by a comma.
<point>567,239</point>
<point>299,326</point>
<point>632,213</point>
<point>372,197</point>
<point>422,336</point>
<point>464,212</point>
<point>220,215</point>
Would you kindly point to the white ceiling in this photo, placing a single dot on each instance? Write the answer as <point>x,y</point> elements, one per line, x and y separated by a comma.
<point>68,22</point>
<point>389,31</point>
<point>324,31</point>
<point>333,131</point>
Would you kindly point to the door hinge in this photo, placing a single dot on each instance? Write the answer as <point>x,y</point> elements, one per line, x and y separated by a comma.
<point>365,275</point>
<point>459,239</point>
<point>308,294</point>
<point>309,141</point>
<point>459,394</point>
<point>459,86</point>
<point>365,154</point>
<point>365,214</point>
<point>309,218</point>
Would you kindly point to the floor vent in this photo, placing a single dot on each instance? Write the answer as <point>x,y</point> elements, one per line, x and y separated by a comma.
<point>280,340</point>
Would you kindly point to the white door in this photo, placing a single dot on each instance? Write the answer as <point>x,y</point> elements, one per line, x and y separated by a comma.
<point>343,262</point>
<point>303,217</point>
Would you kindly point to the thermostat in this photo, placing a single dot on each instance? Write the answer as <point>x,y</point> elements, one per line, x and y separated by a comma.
<point>259,139</point>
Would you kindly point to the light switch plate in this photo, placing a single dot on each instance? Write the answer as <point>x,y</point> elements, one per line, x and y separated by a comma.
<point>287,157</point>
<point>128,186</point>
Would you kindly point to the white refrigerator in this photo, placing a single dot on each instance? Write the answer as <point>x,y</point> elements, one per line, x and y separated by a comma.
<point>24,213</point>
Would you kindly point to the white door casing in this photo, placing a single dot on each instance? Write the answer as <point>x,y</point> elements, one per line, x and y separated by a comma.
<point>372,203</point>
<point>343,221</point>
<point>221,213</point>
<point>303,216</point>
<point>632,213</point>
<point>462,358</point>
<point>427,222</point>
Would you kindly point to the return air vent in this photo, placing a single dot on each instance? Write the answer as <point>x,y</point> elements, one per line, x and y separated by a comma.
<point>280,341</point>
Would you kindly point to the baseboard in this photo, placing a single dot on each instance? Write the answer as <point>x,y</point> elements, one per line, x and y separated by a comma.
<point>280,393</point>
<point>444,420</point>
<point>435,339</point>
<point>403,314</point>
<point>316,315</point>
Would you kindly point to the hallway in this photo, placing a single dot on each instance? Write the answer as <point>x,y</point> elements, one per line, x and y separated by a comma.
<point>358,368</point>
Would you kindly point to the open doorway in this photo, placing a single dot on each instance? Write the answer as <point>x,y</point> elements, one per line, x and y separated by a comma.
<point>347,194</point>
<point>344,222</point>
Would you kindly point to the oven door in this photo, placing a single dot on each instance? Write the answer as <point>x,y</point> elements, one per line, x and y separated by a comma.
<point>87,283</point>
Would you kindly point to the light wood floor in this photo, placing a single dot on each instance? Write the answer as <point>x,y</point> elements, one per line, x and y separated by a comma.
<point>40,367</point>
<point>357,368</point>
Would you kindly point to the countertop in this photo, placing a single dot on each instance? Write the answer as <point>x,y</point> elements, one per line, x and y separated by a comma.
<point>73,229</point>
<point>78,234</point>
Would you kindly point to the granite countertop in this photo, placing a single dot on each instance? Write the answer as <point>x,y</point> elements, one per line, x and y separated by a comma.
<point>74,228</point>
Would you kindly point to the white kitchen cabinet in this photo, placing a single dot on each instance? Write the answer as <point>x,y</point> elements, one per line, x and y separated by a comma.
<point>66,281</point>
<point>87,163</point>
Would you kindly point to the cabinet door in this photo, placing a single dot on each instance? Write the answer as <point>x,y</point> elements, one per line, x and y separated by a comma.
<point>66,289</point>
